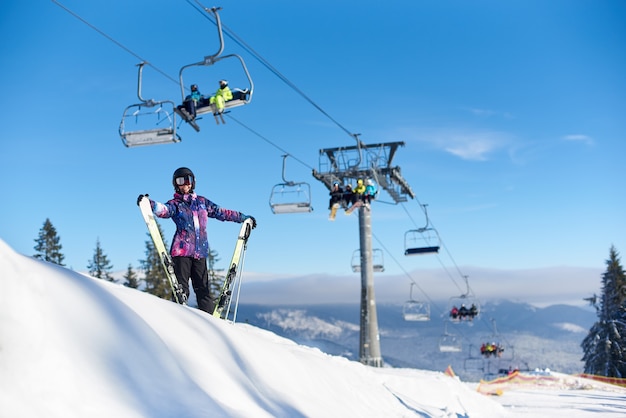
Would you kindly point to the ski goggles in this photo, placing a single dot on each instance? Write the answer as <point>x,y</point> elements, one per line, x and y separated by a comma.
<point>185,180</point>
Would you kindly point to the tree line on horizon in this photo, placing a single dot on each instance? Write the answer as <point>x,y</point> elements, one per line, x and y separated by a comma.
<point>154,281</point>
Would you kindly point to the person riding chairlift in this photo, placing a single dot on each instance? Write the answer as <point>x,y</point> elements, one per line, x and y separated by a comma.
<point>192,102</point>
<point>221,96</point>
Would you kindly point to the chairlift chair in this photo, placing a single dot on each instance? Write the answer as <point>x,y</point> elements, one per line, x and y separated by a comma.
<point>422,240</point>
<point>290,196</point>
<point>149,122</point>
<point>474,364</point>
<point>414,310</point>
<point>450,343</point>
<point>240,96</point>
<point>504,352</point>
<point>499,367</point>
<point>467,300</point>
<point>377,261</point>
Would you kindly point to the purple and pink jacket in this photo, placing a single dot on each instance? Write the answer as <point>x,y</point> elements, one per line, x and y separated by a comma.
<point>190,213</point>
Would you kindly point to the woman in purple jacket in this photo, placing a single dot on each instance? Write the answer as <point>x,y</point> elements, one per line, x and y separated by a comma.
<point>190,246</point>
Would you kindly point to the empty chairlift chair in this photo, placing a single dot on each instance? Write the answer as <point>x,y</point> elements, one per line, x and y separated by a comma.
<point>149,122</point>
<point>450,342</point>
<point>414,310</point>
<point>377,261</point>
<point>474,364</point>
<point>422,240</point>
<point>290,196</point>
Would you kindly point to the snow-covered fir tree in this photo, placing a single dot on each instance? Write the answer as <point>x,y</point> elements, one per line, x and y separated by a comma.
<point>605,346</point>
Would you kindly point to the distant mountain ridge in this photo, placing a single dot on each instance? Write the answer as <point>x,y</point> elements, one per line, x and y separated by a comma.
<point>533,337</point>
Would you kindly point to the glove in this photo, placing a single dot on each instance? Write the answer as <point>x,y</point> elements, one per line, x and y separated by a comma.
<point>141,197</point>
<point>252,219</point>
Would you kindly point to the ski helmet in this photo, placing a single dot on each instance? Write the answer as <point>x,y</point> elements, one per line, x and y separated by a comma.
<point>183,175</point>
<point>223,83</point>
<point>194,87</point>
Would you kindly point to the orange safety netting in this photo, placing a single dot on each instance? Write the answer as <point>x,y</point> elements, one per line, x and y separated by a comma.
<point>515,380</point>
<point>611,380</point>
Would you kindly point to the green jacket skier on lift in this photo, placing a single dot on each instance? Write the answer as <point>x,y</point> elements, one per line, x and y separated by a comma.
<point>221,96</point>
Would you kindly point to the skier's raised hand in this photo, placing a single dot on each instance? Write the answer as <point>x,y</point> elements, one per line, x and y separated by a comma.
<point>141,197</point>
<point>253,220</point>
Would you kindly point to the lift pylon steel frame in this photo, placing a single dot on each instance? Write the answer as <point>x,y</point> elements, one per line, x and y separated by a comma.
<point>346,165</point>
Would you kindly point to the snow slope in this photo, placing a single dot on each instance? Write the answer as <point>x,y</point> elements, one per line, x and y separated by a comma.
<point>74,346</point>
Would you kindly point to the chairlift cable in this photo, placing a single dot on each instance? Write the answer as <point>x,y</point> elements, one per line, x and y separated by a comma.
<point>268,141</point>
<point>110,38</point>
<point>390,254</point>
<point>271,68</point>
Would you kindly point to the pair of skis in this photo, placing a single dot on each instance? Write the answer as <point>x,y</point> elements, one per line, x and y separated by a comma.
<point>333,211</point>
<point>183,113</point>
<point>335,207</point>
<point>355,205</point>
<point>223,305</point>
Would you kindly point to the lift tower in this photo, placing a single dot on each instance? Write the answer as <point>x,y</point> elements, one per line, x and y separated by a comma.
<point>346,165</point>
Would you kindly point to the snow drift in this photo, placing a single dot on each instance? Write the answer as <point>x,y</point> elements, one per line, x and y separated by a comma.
<point>75,346</point>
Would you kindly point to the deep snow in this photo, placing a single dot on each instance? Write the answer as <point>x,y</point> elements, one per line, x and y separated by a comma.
<point>75,346</point>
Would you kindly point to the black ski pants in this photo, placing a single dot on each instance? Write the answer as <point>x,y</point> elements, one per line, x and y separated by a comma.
<point>187,268</point>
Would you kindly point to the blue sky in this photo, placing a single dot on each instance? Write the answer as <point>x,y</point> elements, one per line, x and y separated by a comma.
<point>512,114</point>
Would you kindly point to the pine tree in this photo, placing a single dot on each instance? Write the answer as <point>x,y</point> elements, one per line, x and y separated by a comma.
<point>130,278</point>
<point>100,266</point>
<point>155,277</point>
<point>48,244</point>
<point>604,347</point>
